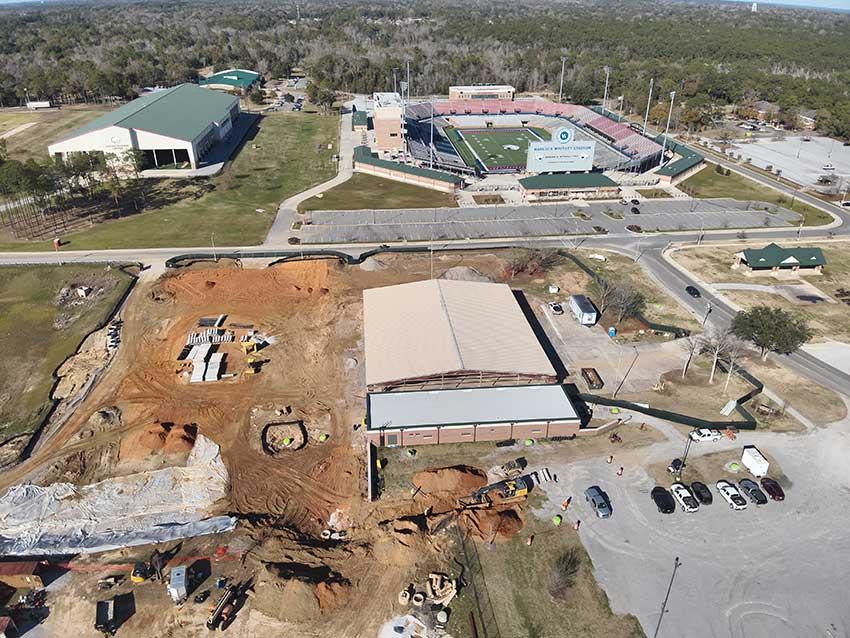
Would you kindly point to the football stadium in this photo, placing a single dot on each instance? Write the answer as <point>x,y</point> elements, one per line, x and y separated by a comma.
<point>486,136</point>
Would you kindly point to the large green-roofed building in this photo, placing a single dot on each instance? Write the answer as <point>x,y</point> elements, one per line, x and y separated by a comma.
<point>172,127</point>
<point>231,80</point>
<point>582,185</point>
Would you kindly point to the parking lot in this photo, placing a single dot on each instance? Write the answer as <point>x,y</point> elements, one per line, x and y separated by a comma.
<point>536,220</point>
<point>631,368</point>
<point>800,161</point>
<point>774,571</point>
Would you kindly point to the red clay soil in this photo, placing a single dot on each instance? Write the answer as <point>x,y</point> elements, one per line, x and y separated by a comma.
<point>491,525</point>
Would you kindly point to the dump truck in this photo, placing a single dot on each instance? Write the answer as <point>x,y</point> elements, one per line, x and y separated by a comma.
<point>508,491</point>
<point>106,619</point>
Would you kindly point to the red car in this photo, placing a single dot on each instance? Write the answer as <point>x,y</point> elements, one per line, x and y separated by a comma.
<point>773,489</point>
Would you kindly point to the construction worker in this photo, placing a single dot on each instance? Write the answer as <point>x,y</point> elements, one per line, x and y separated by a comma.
<point>566,503</point>
<point>620,471</point>
<point>610,459</point>
<point>577,524</point>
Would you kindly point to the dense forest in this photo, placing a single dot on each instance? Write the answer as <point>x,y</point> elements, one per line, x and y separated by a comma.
<point>712,54</point>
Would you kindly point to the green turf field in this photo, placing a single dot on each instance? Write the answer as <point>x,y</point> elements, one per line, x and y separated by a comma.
<point>497,149</point>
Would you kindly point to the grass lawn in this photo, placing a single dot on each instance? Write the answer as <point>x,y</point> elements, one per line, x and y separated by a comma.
<point>50,126</point>
<point>291,155</point>
<point>516,579</point>
<point>707,183</point>
<point>655,193</point>
<point>368,191</point>
<point>8,121</point>
<point>31,344</point>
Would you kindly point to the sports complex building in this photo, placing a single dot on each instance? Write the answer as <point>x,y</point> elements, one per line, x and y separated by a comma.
<point>454,361</point>
<point>172,128</point>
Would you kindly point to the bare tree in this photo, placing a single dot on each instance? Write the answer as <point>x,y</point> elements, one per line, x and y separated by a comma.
<point>692,345</point>
<point>628,302</point>
<point>734,352</point>
<point>605,291</point>
<point>716,343</point>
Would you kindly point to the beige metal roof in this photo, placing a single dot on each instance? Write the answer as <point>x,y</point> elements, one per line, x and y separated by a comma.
<point>442,326</point>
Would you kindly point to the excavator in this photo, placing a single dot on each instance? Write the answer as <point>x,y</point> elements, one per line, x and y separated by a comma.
<point>508,491</point>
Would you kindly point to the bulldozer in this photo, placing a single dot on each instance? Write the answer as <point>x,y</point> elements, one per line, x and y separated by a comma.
<point>508,491</point>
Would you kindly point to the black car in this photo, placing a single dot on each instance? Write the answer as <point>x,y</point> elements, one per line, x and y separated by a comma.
<point>663,500</point>
<point>702,493</point>
<point>693,292</point>
<point>753,492</point>
<point>635,210</point>
<point>773,489</point>
<point>635,202</point>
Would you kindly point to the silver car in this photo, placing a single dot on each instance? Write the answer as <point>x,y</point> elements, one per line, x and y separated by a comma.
<point>598,500</point>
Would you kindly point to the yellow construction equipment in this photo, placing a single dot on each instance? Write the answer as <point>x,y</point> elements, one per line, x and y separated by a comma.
<point>508,491</point>
<point>248,347</point>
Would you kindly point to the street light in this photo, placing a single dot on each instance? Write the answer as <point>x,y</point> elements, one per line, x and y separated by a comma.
<point>707,312</point>
<point>667,129</point>
<point>648,103</point>
<point>561,90</point>
<point>212,241</point>
<point>676,564</point>
<point>605,96</point>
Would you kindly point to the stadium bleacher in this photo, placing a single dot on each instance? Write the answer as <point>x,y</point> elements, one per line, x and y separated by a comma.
<point>640,151</point>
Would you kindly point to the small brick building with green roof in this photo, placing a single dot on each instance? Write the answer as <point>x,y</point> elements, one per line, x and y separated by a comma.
<point>773,258</point>
<point>239,80</point>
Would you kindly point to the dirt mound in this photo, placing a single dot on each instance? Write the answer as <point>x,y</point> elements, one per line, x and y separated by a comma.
<point>457,480</point>
<point>491,525</point>
<point>164,438</point>
<point>332,595</point>
<point>464,273</point>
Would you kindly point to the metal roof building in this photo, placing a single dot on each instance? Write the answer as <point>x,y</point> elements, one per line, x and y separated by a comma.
<point>175,126</point>
<point>231,79</point>
<point>470,414</point>
<point>775,257</point>
<point>444,333</point>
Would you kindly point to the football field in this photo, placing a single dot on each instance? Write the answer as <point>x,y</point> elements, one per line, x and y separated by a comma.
<point>496,149</point>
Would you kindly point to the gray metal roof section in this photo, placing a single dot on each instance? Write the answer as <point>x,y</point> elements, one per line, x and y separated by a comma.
<point>473,406</point>
<point>181,112</point>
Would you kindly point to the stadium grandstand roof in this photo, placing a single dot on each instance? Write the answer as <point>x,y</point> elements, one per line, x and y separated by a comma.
<point>237,78</point>
<point>363,154</point>
<point>566,180</point>
<point>385,100</point>
<point>436,327</point>
<point>687,161</point>
<point>181,112</point>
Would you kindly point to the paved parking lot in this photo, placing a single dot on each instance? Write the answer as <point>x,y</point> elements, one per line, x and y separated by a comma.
<point>806,168</point>
<point>775,571</point>
<point>430,224</point>
<point>637,367</point>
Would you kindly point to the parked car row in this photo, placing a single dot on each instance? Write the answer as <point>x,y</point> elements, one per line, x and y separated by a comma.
<point>690,497</point>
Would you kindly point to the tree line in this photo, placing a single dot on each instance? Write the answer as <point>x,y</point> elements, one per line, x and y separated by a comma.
<point>712,55</point>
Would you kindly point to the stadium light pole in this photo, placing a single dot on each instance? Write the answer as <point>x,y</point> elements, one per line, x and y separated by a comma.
<point>667,128</point>
<point>561,90</point>
<point>648,103</point>
<point>605,96</point>
<point>395,80</point>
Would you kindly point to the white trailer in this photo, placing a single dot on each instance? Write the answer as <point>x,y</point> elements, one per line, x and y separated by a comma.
<point>583,310</point>
<point>754,461</point>
<point>177,586</point>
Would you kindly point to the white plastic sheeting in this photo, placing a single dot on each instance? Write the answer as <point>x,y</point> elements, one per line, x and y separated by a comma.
<point>147,507</point>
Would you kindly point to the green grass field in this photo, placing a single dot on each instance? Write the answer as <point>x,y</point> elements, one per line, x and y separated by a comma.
<point>368,191</point>
<point>32,345</point>
<point>288,155</point>
<point>709,183</point>
<point>495,148</point>
<point>50,126</point>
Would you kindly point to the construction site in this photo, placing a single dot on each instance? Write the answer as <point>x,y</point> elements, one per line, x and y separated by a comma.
<point>212,474</point>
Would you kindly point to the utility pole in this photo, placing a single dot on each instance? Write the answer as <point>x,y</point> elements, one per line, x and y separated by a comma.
<point>667,129</point>
<point>707,312</point>
<point>799,230</point>
<point>561,90</point>
<point>408,79</point>
<point>605,96</point>
<point>676,564</point>
<point>212,241</point>
<point>395,80</point>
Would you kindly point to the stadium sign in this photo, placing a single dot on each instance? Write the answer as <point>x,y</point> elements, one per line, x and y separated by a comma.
<point>558,157</point>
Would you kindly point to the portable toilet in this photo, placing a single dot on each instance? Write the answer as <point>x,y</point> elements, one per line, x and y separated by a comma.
<point>177,584</point>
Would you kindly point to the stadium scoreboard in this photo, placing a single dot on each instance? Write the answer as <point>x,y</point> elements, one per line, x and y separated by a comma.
<point>560,155</point>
